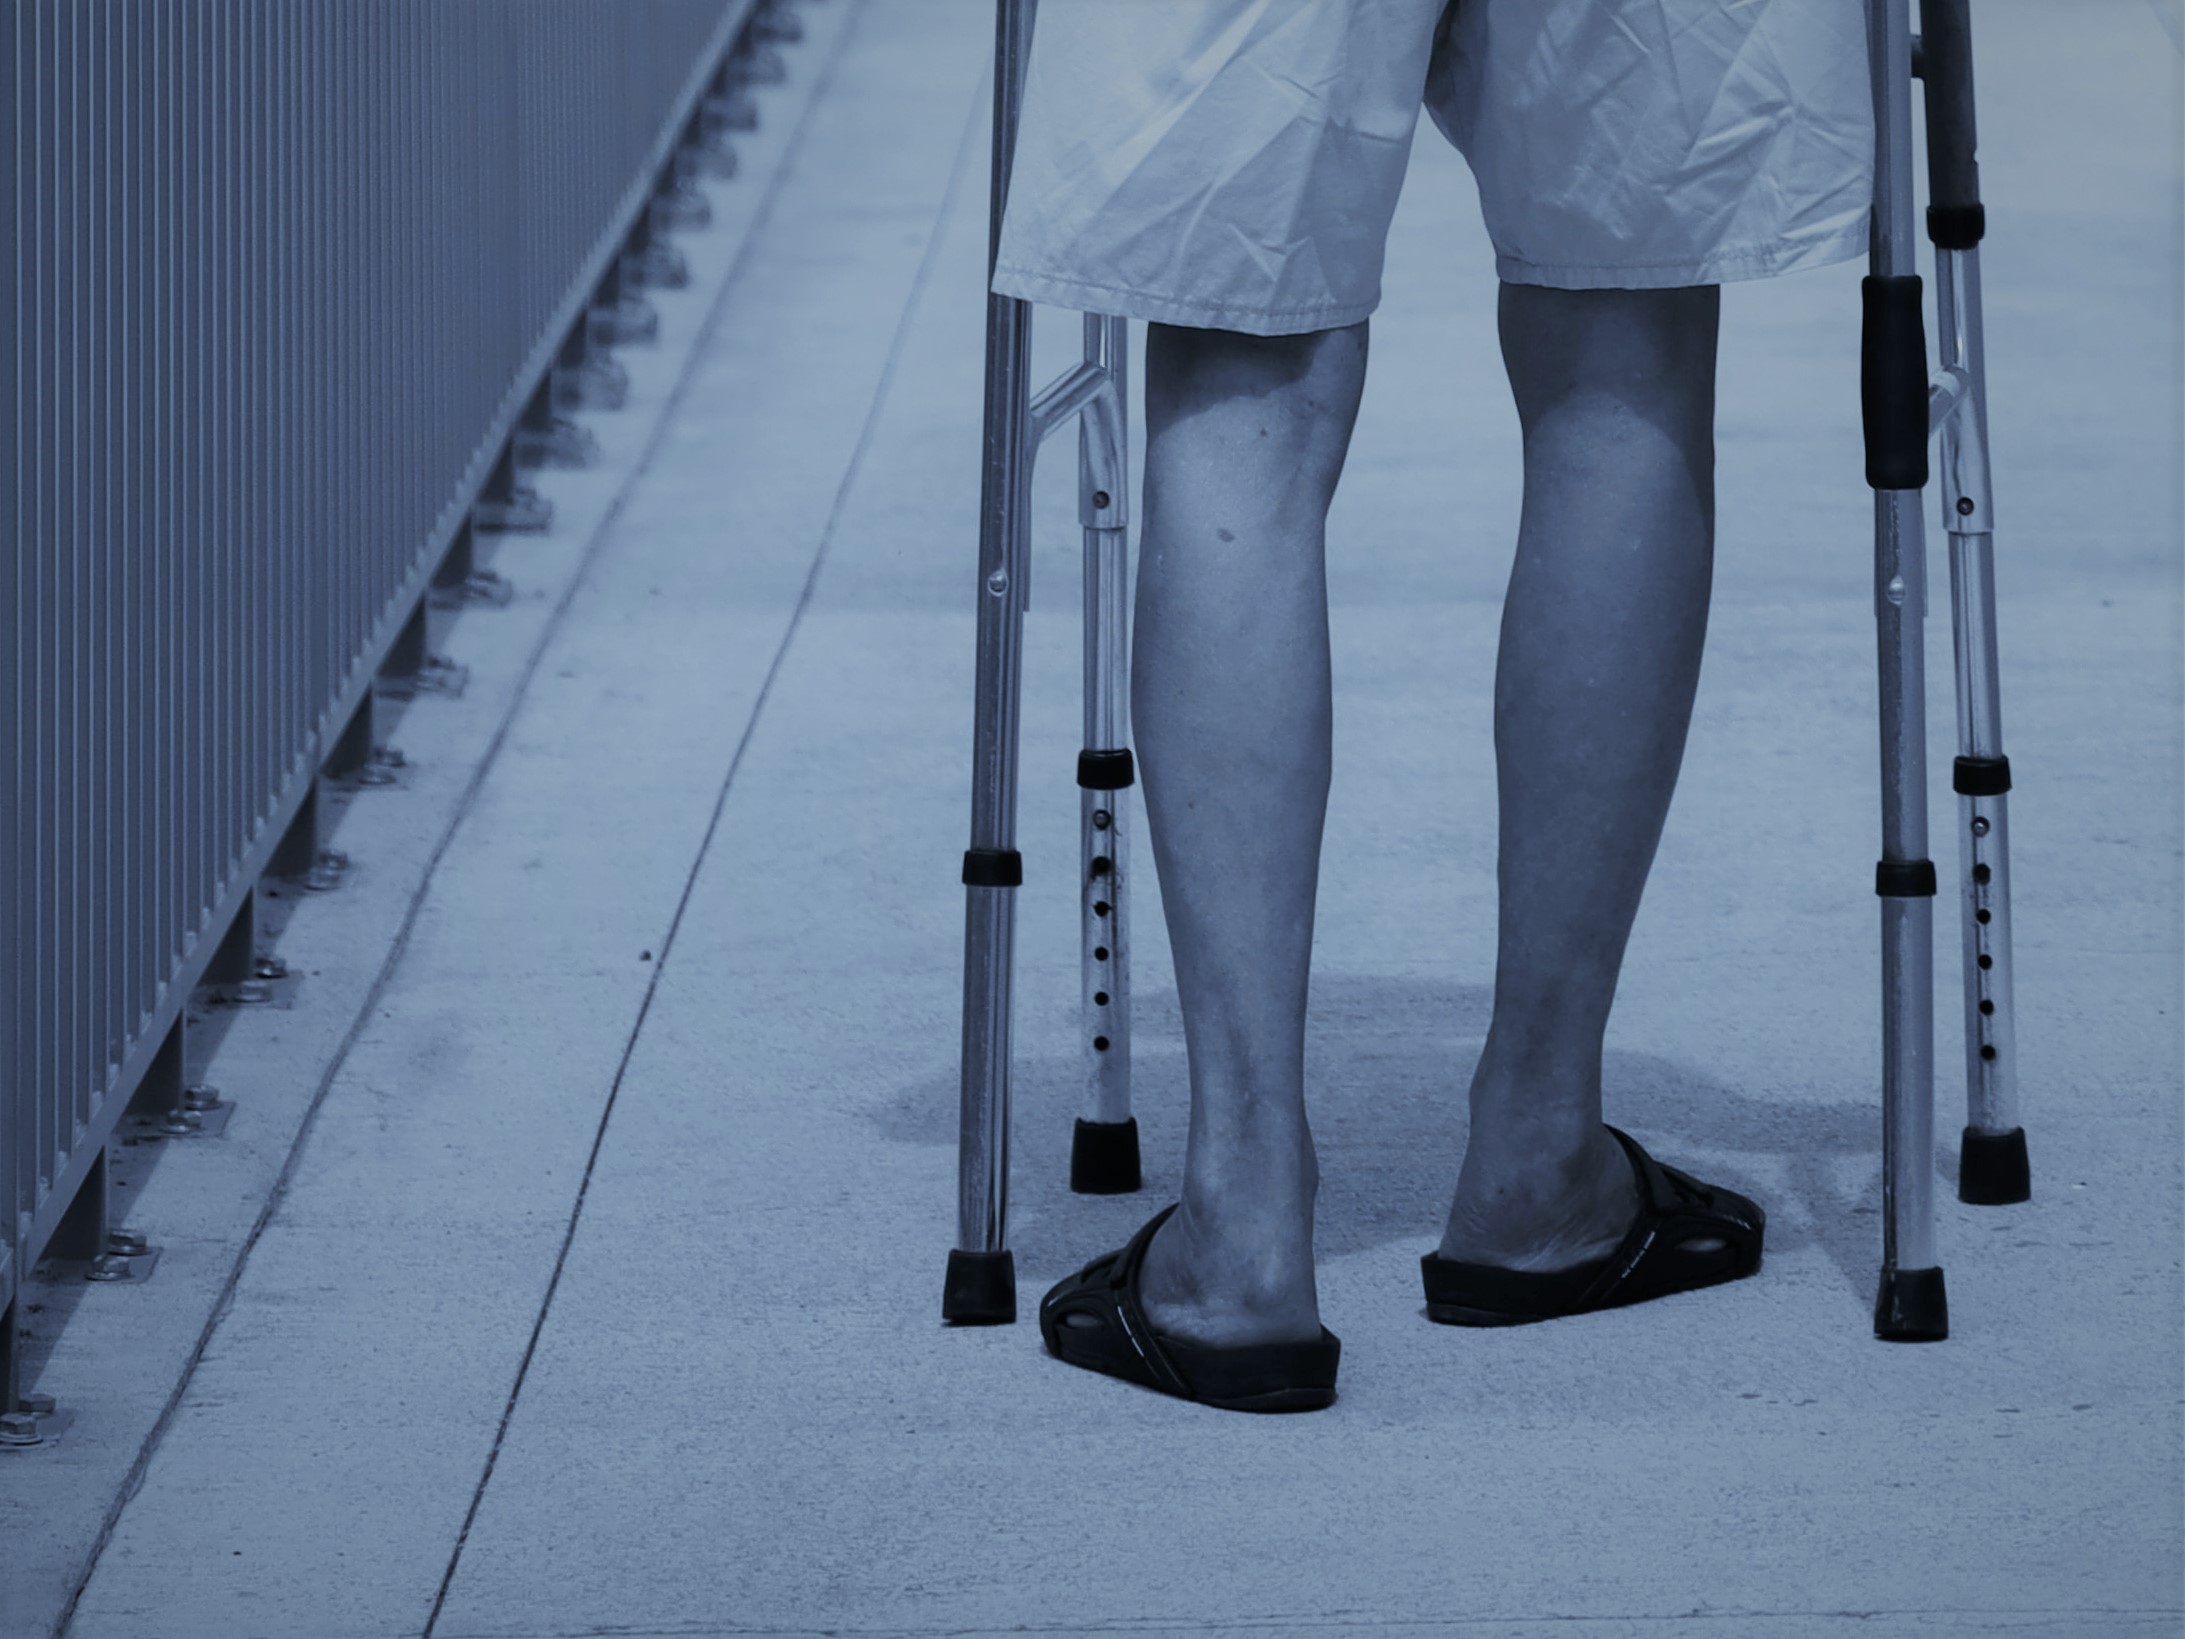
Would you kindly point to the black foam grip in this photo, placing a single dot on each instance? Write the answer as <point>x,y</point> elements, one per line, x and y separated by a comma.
<point>1946,72</point>
<point>1893,381</point>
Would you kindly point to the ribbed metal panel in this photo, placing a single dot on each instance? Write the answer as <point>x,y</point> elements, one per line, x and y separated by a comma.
<point>280,276</point>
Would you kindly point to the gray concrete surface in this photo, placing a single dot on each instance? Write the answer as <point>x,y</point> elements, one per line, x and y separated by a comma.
<point>603,1293</point>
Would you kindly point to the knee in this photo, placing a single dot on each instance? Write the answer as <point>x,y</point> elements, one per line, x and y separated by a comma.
<point>1291,399</point>
<point>1652,351</point>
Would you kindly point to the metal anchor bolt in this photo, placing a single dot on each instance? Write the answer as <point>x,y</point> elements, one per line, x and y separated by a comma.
<point>326,874</point>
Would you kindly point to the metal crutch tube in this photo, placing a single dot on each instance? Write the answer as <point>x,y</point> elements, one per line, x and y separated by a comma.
<point>1911,1304</point>
<point>1992,1165</point>
<point>1104,1147</point>
<point>981,1282</point>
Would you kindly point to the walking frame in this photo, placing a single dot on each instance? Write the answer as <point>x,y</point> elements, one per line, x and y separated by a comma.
<point>1902,406</point>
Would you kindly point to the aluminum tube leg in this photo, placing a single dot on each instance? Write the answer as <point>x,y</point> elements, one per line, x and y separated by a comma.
<point>1992,1165</point>
<point>981,1283</point>
<point>1104,1146</point>
<point>1910,1305</point>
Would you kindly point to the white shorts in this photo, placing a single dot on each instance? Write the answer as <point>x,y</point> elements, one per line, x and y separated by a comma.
<point>1234,164</point>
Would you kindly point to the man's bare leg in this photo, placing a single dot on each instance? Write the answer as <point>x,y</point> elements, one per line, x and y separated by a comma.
<point>1600,655</point>
<point>1602,631</point>
<point>1232,721</point>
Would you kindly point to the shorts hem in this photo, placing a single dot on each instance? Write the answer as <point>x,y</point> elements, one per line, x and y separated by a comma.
<point>1090,296</point>
<point>1726,267</point>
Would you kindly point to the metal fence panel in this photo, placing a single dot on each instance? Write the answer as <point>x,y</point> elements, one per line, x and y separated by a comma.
<point>280,276</point>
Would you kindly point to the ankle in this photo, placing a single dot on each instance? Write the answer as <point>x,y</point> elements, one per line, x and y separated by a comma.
<point>1540,1048</point>
<point>1248,1216</point>
<point>1272,1167</point>
<point>1233,1267</point>
<point>1532,1159</point>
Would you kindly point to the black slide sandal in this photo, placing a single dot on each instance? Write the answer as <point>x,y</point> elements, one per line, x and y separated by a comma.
<point>1121,1342</point>
<point>1654,1259</point>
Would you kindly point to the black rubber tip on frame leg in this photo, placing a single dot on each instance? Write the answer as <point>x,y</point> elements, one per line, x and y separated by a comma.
<point>981,1288</point>
<point>1992,1168</point>
<point>1104,1157</point>
<point>1912,1307</point>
